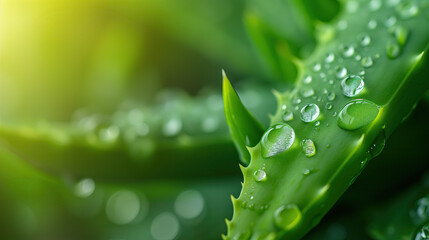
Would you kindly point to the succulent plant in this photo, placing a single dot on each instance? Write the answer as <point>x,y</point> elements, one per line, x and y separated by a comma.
<point>334,121</point>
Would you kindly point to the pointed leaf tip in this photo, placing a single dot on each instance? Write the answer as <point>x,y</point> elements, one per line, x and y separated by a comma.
<point>244,128</point>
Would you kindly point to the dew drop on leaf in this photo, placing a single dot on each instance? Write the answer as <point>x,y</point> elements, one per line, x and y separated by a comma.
<point>277,139</point>
<point>330,58</point>
<point>352,85</point>
<point>367,62</point>
<point>287,217</point>
<point>357,114</point>
<point>341,72</point>
<point>392,50</point>
<point>287,116</point>
<point>309,112</point>
<point>260,175</point>
<point>308,147</point>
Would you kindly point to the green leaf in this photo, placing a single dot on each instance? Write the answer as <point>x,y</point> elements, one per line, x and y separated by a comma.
<point>246,131</point>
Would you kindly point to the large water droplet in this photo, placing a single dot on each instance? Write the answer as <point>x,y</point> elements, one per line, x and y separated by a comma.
<point>277,139</point>
<point>123,207</point>
<point>378,145</point>
<point>308,147</point>
<point>287,116</point>
<point>357,114</point>
<point>393,50</point>
<point>423,233</point>
<point>309,112</point>
<point>367,62</point>
<point>287,217</point>
<point>189,205</point>
<point>352,85</point>
<point>165,226</point>
<point>407,10</point>
<point>341,72</point>
<point>260,175</point>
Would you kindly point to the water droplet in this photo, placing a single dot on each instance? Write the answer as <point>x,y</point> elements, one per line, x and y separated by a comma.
<point>352,85</point>
<point>358,57</point>
<point>287,116</point>
<point>393,50</point>
<point>367,62</point>
<point>317,67</point>
<point>328,145</point>
<point>307,92</point>
<point>390,21</point>
<point>308,79</point>
<point>260,176</point>
<point>357,114</point>
<point>392,3</point>
<point>331,82</point>
<point>277,139</point>
<point>364,39</point>
<point>123,207</point>
<point>189,205</point>
<point>317,123</point>
<point>306,172</point>
<point>372,24</point>
<point>422,233</point>
<point>348,50</point>
<point>378,145</point>
<point>309,112</point>
<point>165,226</point>
<point>330,58</point>
<point>84,188</point>
<point>341,72</point>
<point>172,127</point>
<point>288,216</point>
<point>308,147</point>
<point>328,106</point>
<point>407,10</point>
<point>331,96</point>
<point>400,33</point>
<point>374,5</point>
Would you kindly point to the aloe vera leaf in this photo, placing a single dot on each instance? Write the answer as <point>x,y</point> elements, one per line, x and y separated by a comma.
<point>303,182</point>
<point>245,129</point>
<point>166,140</point>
